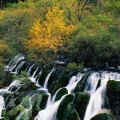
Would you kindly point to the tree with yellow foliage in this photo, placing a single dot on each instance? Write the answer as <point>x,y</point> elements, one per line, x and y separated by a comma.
<point>49,35</point>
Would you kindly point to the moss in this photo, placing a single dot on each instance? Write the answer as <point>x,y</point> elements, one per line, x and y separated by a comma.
<point>63,107</point>
<point>60,93</point>
<point>113,94</point>
<point>102,116</point>
<point>81,101</point>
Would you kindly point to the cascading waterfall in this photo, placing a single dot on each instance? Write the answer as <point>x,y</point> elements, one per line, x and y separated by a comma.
<point>37,79</point>
<point>13,63</point>
<point>35,72</point>
<point>19,67</point>
<point>7,90</point>
<point>49,113</point>
<point>95,85</point>
<point>33,78</point>
<point>29,70</point>
<point>96,102</point>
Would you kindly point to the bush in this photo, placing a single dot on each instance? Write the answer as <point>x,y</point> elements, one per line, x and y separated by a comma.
<point>74,66</point>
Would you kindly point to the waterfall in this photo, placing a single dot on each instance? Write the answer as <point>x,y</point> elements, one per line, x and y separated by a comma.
<point>96,102</point>
<point>29,70</point>
<point>37,79</point>
<point>19,67</point>
<point>95,85</point>
<point>73,82</point>
<point>47,78</point>
<point>7,90</point>
<point>35,72</point>
<point>33,78</point>
<point>13,63</point>
<point>2,104</point>
<point>49,113</point>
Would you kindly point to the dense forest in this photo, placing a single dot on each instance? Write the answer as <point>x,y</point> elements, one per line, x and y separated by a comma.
<point>83,32</point>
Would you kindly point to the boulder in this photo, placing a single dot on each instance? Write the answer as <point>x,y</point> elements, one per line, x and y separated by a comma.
<point>103,115</point>
<point>80,85</point>
<point>81,101</point>
<point>113,94</point>
<point>60,93</point>
<point>54,87</point>
<point>28,86</point>
<point>28,107</point>
<point>66,110</point>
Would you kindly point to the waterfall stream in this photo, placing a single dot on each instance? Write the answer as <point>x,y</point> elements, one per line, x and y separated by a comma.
<point>49,113</point>
<point>96,102</point>
<point>47,78</point>
<point>95,86</point>
<point>7,90</point>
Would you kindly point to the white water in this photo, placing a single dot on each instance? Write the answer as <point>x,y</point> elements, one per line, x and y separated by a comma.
<point>19,67</point>
<point>7,90</point>
<point>35,72</point>
<point>29,70</point>
<point>13,63</point>
<point>96,102</point>
<point>47,78</point>
<point>2,105</point>
<point>36,79</point>
<point>49,113</point>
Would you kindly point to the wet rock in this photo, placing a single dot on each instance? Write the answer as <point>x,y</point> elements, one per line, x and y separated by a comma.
<point>81,101</point>
<point>113,94</point>
<point>46,70</point>
<point>82,82</point>
<point>28,86</point>
<point>103,115</point>
<point>66,110</point>
<point>43,101</point>
<point>60,93</point>
<point>28,107</point>
<point>54,87</point>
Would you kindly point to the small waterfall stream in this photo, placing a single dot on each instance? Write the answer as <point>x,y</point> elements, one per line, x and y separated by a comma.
<point>13,63</point>
<point>47,78</point>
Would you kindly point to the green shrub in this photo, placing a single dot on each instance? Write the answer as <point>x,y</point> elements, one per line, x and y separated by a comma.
<point>74,66</point>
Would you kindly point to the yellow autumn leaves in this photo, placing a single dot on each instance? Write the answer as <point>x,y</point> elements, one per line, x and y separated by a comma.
<point>48,35</point>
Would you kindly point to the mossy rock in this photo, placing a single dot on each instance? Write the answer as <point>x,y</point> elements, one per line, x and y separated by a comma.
<point>25,115</point>
<point>81,101</point>
<point>103,116</point>
<point>44,74</point>
<point>54,87</point>
<point>70,113</point>
<point>28,107</point>
<point>113,94</point>
<point>44,101</point>
<point>64,79</point>
<point>25,102</point>
<point>66,109</point>
<point>60,93</point>
<point>28,86</point>
<point>80,85</point>
<point>12,114</point>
